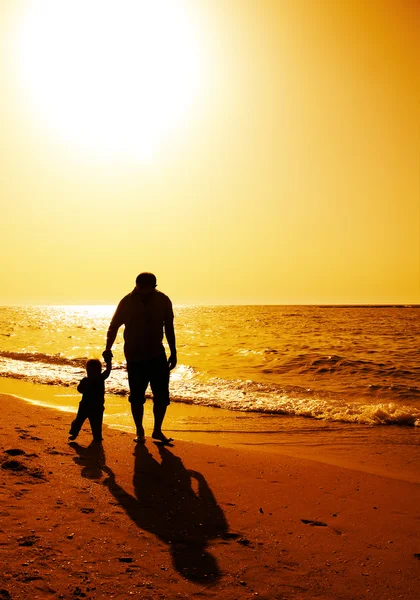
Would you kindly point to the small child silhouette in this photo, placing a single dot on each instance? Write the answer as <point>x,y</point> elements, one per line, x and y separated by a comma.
<point>92,404</point>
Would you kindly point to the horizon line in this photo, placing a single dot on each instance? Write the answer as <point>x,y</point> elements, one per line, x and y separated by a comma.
<point>186,304</point>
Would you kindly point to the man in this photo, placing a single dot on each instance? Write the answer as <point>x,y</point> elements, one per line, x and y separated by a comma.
<point>146,314</point>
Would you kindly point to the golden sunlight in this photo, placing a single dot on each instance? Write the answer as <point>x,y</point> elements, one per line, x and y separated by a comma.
<point>114,77</point>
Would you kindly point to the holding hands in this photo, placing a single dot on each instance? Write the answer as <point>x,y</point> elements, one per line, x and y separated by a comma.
<point>107,354</point>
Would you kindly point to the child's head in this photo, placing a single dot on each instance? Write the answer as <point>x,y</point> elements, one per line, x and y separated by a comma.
<point>93,367</point>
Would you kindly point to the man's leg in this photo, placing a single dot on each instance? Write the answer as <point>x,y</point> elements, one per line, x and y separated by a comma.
<point>159,382</point>
<point>159,413</point>
<point>138,382</point>
<point>137,410</point>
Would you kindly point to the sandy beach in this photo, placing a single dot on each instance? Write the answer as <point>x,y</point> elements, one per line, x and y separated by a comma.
<point>212,205</point>
<point>193,520</point>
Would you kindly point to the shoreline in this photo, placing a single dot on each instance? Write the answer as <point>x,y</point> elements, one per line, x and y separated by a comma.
<point>390,451</point>
<point>124,520</point>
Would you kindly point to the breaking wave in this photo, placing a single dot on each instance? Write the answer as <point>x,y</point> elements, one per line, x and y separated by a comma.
<point>189,386</point>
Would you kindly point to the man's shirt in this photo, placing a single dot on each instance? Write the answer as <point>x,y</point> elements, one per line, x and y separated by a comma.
<point>144,318</point>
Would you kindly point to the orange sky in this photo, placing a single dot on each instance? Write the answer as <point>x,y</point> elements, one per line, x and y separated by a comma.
<point>294,176</point>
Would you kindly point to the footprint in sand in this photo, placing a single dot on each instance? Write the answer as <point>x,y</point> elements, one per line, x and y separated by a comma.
<point>20,493</point>
<point>28,540</point>
<point>314,523</point>
<point>14,452</point>
<point>15,466</point>
<point>321,524</point>
<point>54,451</point>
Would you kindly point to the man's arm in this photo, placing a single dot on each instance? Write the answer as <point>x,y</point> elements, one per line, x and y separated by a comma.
<point>116,322</point>
<point>170,335</point>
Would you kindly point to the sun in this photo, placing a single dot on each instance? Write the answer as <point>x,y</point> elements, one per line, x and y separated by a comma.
<point>114,77</point>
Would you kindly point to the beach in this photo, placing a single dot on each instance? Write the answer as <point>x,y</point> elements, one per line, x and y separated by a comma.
<point>211,207</point>
<point>195,520</point>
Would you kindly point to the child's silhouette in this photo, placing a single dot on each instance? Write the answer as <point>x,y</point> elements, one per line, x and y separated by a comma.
<point>92,404</point>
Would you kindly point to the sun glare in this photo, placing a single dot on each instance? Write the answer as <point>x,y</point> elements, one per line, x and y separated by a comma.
<point>115,77</point>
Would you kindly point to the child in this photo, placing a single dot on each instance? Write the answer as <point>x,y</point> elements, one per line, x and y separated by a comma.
<point>92,404</point>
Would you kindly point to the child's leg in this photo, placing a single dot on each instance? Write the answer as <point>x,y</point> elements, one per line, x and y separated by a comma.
<point>95,420</point>
<point>77,424</point>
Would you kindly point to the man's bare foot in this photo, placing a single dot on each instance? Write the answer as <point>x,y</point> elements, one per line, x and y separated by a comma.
<point>158,435</point>
<point>140,437</point>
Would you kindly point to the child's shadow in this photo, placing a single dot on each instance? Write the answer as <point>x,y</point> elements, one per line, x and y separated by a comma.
<point>90,458</point>
<point>166,505</point>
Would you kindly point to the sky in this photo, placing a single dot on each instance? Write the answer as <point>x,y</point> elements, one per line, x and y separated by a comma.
<point>245,151</point>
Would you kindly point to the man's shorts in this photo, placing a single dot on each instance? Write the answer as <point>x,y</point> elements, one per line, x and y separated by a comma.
<point>154,371</point>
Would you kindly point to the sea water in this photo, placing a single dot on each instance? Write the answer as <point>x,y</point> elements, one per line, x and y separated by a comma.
<point>268,376</point>
<point>342,364</point>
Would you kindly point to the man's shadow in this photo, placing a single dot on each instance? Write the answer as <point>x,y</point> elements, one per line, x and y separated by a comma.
<point>90,458</point>
<point>166,504</point>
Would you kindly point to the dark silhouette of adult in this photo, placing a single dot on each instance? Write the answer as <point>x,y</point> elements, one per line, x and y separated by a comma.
<point>166,505</point>
<point>146,314</point>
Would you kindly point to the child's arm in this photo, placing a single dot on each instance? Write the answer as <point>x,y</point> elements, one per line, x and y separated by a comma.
<point>81,388</point>
<point>107,371</point>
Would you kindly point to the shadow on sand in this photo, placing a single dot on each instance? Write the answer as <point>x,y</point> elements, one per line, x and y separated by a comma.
<point>172,502</point>
<point>91,459</point>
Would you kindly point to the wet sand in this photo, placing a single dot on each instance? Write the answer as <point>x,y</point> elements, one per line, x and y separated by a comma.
<point>194,520</point>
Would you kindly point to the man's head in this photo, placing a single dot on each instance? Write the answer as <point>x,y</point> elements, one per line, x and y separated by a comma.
<point>145,283</point>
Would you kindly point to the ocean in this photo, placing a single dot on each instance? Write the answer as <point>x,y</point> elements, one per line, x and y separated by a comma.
<point>348,365</point>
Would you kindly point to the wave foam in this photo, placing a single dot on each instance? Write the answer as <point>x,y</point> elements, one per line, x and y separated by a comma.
<point>188,386</point>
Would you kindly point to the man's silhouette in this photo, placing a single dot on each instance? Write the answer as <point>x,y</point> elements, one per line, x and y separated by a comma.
<point>147,314</point>
<point>166,505</point>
